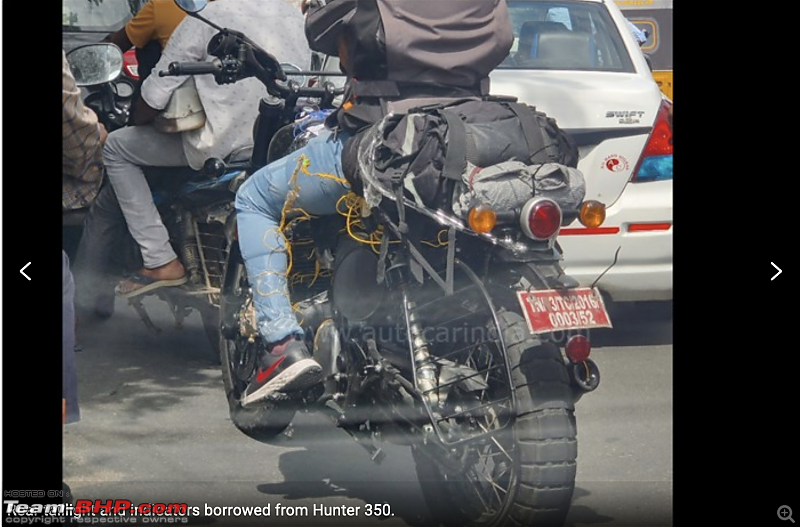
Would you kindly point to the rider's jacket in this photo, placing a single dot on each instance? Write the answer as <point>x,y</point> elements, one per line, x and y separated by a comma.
<point>398,51</point>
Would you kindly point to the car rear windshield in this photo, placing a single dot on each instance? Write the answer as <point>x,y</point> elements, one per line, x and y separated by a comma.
<point>565,36</point>
<point>96,15</point>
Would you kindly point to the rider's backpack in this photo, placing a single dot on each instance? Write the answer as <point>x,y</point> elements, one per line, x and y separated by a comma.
<point>499,152</point>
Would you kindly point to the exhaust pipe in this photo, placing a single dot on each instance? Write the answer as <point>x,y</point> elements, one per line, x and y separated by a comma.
<point>327,351</point>
<point>584,376</point>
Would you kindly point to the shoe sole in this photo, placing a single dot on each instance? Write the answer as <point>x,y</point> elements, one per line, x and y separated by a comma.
<point>300,375</point>
<point>151,287</point>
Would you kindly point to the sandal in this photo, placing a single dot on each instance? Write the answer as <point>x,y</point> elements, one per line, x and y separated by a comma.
<point>147,283</point>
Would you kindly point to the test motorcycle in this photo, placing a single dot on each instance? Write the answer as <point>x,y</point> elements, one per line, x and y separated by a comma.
<point>434,331</point>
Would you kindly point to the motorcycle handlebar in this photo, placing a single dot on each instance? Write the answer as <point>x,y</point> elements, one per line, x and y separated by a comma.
<point>293,89</point>
<point>231,70</point>
<point>192,68</point>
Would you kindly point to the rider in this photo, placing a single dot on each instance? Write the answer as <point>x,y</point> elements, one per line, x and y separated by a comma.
<point>230,112</point>
<point>149,32</point>
<point>453,61</point>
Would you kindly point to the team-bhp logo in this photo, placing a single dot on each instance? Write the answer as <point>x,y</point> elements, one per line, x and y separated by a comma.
<point>616,163</point>
<point>97,511</point>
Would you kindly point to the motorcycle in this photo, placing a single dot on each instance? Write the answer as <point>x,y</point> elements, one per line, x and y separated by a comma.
<point>436,332</point>
<point>194,205</point>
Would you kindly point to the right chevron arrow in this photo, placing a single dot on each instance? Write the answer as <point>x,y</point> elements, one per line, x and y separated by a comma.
<point>776,274</point>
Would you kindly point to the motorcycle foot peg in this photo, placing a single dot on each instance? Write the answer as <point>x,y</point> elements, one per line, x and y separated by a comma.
<point>584,375</point>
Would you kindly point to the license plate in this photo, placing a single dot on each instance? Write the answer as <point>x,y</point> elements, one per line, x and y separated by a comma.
<point>551,310</point>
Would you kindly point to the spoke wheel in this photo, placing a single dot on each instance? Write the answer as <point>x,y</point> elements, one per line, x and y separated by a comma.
<point>523,474</point>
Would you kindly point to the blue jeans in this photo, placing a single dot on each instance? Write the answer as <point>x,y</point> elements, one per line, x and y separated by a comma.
<point>259,208</point>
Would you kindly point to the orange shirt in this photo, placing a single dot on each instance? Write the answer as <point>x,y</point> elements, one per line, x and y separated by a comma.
<point>156,20</point>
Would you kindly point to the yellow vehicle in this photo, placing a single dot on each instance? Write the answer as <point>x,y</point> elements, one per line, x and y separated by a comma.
<point>655,18</point>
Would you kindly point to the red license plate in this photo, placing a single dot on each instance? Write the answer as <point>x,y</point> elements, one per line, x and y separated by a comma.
<point>551,310</point>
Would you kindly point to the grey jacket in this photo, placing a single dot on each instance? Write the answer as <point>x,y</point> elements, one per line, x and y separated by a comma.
<point>452,42</point>
<point>410,49</point>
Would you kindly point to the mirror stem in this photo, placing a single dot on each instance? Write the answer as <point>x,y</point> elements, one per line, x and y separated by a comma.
<point>202,19</point>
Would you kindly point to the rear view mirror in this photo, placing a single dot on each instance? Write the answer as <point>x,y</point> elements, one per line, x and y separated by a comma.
<point>192,6</point>
<point>95,64</point>
<point>292,71</point>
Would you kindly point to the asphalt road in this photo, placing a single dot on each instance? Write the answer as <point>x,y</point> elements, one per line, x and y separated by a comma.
<point>155,429</point>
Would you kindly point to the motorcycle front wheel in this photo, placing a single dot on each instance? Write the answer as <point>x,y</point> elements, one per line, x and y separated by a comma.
<point>264,420</point>
<point>524,475</point>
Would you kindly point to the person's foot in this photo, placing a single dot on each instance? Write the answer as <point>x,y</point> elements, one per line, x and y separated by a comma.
<point>145,280</point>
<point>287,367</point>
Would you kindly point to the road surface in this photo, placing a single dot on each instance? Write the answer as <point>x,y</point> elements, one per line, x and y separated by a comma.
<point>155,429</point>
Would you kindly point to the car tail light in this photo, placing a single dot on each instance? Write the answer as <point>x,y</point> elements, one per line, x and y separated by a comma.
<point>130,65</point>
<point>655,163</point>
<point>592,214</point>
<point>578,348</point>
<point>540,218</point>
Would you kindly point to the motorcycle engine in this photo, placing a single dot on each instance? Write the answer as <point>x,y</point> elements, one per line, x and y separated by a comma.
<point>355,292</point>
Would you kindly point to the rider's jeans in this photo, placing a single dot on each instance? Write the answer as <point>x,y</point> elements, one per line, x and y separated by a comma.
<point>260,203</point>
<point>125,151</point>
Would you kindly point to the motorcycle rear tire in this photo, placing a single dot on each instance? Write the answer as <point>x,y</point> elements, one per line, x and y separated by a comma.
<point>544,436</point>
<point>262,421</point>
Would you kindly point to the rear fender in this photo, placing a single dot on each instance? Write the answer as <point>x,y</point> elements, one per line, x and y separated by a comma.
<point>505,279</point>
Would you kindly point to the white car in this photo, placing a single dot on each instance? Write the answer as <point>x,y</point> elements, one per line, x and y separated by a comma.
<point>578,62</point>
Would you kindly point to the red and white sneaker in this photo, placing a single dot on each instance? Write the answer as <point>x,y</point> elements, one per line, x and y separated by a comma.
<point>286,368</point>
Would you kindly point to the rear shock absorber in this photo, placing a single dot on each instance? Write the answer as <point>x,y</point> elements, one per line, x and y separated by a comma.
<point>189,248</point>
<point>424,369</point>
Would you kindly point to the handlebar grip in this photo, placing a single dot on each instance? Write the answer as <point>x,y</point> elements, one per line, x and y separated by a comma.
<point>319,91</point>
<point>192,68</point>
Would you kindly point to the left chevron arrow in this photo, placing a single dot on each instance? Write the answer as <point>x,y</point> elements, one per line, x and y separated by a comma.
<point>22,271</point>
